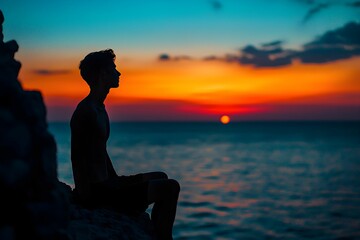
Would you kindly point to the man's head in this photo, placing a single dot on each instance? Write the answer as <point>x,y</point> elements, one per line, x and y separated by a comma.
<point>98,68</point>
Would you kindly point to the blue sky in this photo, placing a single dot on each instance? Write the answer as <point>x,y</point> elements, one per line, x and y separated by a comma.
<point>145,29</point>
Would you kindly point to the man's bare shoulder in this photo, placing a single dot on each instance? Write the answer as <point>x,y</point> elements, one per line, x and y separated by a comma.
<point>86,106</point>
<point>85,110</point>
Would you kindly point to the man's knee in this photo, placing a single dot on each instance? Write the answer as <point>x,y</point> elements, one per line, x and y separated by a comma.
<point>175,186</point>
<point>162,175</point>
<point>154,176</point>
<point>159,175</point>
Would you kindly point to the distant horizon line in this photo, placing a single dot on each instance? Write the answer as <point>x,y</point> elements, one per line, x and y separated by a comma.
<point>200,121</point>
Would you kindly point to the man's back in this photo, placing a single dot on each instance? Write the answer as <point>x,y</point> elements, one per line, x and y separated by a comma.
<point>89,134</point>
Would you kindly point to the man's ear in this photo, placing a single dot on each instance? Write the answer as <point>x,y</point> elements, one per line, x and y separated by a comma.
<point>102,75</point>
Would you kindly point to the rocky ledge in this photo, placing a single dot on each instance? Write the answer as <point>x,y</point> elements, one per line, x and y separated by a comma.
<point>35,205</point>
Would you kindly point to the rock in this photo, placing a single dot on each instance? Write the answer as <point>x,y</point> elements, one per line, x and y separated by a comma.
<point>107,224</point>
<point>32,204</point>
<point>1,27</point>
<point>13,147</point>
<point>14,174</point>
<point>102,223</point>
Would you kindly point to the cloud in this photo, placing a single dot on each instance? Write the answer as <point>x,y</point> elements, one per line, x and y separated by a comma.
<point>323,55</point>
<point>334,45</point>
<point>341,43</point>
<point>216,5</point>
<point>211,58</point>
<point>307,1</point>
<point>50,72</point>
<point>273,44</point>
<point>315,10</point>
<point>182,57</point>
<point>316,6</point>
<point>355,4</point>
<point>347,35</point>
<point>338,44</point>
<point>269,55</point>
<point>166,57</point>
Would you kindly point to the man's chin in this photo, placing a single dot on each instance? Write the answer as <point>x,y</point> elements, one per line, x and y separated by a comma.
<point>115,86</point>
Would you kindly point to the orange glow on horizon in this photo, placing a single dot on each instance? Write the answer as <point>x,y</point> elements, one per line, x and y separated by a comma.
<point>207,87</point>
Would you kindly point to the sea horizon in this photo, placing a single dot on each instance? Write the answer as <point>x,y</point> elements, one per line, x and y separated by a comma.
<point>218,122</point>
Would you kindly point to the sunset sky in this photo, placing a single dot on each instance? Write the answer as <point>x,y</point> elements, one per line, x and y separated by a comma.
<point>195,60</point>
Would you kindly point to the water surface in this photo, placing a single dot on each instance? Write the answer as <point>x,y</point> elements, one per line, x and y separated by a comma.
<point>251,180</point>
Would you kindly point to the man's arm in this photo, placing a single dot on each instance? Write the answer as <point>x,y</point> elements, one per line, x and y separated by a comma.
<point>110,167</point>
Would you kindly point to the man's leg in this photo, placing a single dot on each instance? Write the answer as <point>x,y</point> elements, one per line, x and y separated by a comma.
<point>164,193</point>
<point>154,176</point>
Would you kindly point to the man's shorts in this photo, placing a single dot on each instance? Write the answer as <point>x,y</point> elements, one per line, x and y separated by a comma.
<point>127,194</point>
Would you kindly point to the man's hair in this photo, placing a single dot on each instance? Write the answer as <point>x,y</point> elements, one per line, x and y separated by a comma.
<point>92,65</point>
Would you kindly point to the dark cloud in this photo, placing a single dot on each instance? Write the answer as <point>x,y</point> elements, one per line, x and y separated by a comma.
<point>323,55</point>
<point>164,57</point>
<point>338,44</point>
<point>268,50</point>
<point>355,4</point>
<point>273,44</point>
<point>317,6</point>
<point>216,5</point>
<point>307,1</point>
<point>50,72</point>
<point>341,43</point>
<point>167,57</point>
<point>315,10</point>
<point>347,35</point>
<point>182,57</point>
<point>268,56</point>
<point>211,58</point>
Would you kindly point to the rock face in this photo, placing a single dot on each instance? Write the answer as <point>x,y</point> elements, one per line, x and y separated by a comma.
<point>34,204</point>
<point>104,224</point>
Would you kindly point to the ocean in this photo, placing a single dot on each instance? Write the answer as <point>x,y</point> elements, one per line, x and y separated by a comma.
<point>245,180</point>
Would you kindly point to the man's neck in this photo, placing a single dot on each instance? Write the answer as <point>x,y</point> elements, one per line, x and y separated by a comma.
<point>98,95</point>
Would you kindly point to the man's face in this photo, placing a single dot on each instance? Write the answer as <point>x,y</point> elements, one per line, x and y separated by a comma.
<point>111,76</point>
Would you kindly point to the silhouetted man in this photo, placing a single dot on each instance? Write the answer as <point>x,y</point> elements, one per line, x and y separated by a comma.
<point>96,182</point>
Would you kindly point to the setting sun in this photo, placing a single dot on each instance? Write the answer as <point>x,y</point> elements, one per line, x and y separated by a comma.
<point>225,119</point>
